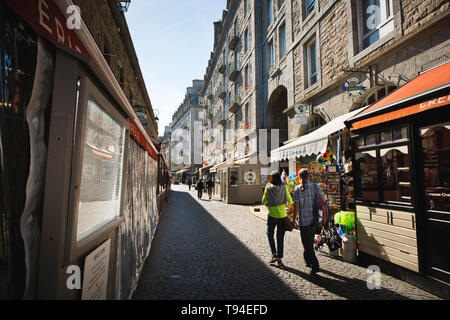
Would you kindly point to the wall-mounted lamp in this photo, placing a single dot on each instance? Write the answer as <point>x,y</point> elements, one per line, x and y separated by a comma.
<point>123,5</point>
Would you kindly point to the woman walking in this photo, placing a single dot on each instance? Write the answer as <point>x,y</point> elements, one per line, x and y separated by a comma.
<point>200,187</point>
<point>306,197</point>
<point>276,196</point>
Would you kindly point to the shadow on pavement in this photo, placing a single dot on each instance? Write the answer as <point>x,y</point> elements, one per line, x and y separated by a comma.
<point>194,257</point>
<point>348,288</point>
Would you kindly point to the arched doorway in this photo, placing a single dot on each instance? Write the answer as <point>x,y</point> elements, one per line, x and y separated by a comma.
<point>275,118</point>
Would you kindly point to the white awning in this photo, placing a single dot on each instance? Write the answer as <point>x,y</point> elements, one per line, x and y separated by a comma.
<point>315,142</point>
<point>182,171</point>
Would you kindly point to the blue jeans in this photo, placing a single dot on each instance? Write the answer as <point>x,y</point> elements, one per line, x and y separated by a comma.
<point>277,251</point>
<point>307,236</point>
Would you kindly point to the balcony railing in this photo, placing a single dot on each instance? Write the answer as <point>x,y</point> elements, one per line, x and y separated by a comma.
<point>235,104</point>
<point>222,93</point>
<point>223,67</point>
<point>234,72</point>
<point>232,45</point>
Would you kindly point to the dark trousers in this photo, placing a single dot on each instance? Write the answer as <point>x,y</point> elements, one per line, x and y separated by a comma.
<point>307,235</point>
<point>278,250</point>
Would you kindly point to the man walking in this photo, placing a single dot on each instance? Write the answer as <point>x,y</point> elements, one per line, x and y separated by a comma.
<point>209,187</point>
<point>305,198</point>
<point>189,183</point>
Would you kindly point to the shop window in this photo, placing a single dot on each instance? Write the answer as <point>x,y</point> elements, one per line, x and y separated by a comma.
<point>234,176</point>
<point>369,140</point>
<point>387,150</point>
<point>367,162</point>
<point>102,172</point>
<point>436,149</point>
<point>400,134</point>
<point>396,174</point>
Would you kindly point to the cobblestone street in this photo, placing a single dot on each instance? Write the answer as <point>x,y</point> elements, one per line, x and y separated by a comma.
<point>212,250</point>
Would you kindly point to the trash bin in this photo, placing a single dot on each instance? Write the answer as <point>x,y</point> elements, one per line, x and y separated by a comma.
<point>349,248</point>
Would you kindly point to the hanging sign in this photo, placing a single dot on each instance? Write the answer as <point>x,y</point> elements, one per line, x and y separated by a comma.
<point>300,114</point>
<point>354,87</point>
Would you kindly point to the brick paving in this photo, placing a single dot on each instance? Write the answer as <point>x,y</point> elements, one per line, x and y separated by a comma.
<point>215,251</point>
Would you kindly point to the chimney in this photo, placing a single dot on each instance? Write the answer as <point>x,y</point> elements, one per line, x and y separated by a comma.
<point>217,31</point>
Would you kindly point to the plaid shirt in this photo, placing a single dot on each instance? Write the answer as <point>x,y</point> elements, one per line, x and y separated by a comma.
<point>306,200</point>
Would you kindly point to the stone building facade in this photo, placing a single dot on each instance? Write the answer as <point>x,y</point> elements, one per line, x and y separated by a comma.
<point>109,29</point>
<point>186,132</point>
<point>232,90</point>
<point>277,86</point>
<point>383,47</point>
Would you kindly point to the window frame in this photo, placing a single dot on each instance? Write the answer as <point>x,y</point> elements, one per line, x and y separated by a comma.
<point>270,55</point>
<point>282,34</point>
<point>246,40</point>
<point>269,12</point>
<point>377,147</point>
<point>309,62</point>
<point>309,8</point>
<point>90,91</point>
<point>384,21</point>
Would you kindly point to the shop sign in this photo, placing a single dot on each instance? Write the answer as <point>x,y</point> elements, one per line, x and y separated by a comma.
<point>300,114</point>
<point>95,277</point>
<point>354,87</point>
<point>47,20</point>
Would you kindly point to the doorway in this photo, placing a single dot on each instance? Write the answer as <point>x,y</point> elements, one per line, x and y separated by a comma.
<point>435,143</point>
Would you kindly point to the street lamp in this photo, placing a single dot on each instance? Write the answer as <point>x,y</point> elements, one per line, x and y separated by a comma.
<point>123,5</point>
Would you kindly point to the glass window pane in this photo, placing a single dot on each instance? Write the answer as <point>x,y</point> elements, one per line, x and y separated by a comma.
<point>386,136</point>
<point>369,140</point>
<point>234,177</point>
<point>401,133</point>
<point>396,174</point>
<point>101,173</point>
<point>360,142</point>
<point>436,147</point>
<point>368,176</point>
<point>309,6</point>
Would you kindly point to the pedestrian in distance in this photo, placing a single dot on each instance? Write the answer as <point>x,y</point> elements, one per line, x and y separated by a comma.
<point>200,187</point>
<point>209,187</point>
<point>189,183</point>
<point>276,196</point>
<point>306,197</point>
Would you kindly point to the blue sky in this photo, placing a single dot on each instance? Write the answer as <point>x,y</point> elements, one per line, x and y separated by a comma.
<point>173,41</point>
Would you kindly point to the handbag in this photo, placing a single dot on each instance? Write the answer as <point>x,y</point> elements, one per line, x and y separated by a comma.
<point>287,224</point>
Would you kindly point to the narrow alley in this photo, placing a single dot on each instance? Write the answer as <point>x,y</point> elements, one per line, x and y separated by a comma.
<point>212,250</point>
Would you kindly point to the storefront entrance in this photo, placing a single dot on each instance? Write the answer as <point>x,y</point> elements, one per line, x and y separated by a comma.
<point>435,141</point>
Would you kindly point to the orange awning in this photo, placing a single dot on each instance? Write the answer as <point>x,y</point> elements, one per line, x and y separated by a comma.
<point>426,83</point>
